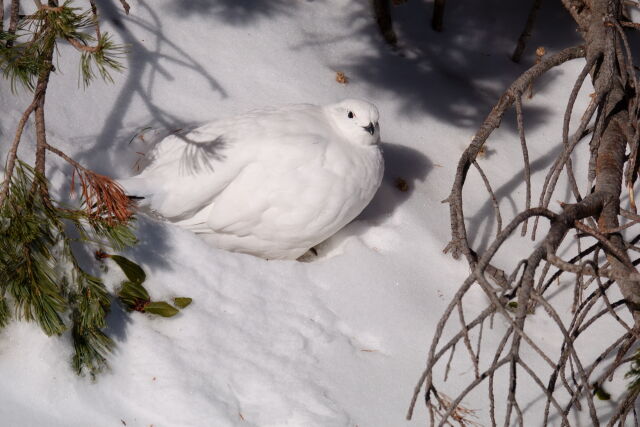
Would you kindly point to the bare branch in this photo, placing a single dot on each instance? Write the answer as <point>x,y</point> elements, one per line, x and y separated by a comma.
<point>633,25</point>
<point>615,106</point>
<point>618,253</point>
<point>496,205</point>
<point>459,241</point>
<point>525,155</point>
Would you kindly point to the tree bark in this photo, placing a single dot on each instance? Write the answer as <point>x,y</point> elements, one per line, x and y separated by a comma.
<point>611,151</point>
<point>41,130</point>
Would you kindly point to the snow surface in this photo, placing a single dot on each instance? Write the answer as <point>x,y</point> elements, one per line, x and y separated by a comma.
<point>339,341</point>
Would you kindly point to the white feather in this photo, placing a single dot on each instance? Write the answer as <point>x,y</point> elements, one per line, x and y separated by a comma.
<point>272,182</point>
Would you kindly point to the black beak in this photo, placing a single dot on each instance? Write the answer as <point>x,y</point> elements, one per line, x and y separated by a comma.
<point>370,128</point>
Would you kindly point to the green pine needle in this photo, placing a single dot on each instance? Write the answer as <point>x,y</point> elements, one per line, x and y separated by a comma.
<point>106,59</point>
<point>23,55</point>
<point>42,275</point>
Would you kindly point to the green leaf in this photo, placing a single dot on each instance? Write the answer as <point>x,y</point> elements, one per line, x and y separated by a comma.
<point>600,392</point>
<point>133,295</point>
<point>182,302</point>
<point>161,308</point>
<point>132,270</point>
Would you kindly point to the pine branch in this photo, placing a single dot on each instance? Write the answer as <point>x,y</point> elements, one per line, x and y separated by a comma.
<point>43,277</point>
<point>28,245</point>
<point>42,280</point>
<point>91,304</point>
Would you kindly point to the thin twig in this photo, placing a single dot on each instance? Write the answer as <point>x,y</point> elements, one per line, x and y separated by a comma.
<point>571,351</point>
<point>467,341</point>
<point>620,254</point>
<point>496,205</point>
<point>568,144</point>
<point>525,155</point>
<point>459,242</point>
<point>633,25</point>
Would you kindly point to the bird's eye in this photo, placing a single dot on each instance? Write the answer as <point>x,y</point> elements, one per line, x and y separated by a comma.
<point>351,115</point>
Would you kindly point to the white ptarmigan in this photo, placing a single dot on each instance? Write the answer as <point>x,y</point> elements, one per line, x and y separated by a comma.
<point>272,182</point>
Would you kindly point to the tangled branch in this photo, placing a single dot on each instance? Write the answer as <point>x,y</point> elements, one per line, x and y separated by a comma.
<point>573,378</point>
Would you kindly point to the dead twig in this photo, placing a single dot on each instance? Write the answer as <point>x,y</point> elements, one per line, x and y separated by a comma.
<point>103,198</point>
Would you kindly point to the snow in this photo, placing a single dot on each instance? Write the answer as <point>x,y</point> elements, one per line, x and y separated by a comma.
<point>341,340</point>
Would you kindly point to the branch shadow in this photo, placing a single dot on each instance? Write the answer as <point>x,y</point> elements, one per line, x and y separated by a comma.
<point>105,153</point>
<point>118,320</point>
<point>420,71</point>
<point>144,68</point>
<point>243,12</point>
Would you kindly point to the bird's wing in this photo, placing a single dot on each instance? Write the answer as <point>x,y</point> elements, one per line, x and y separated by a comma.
<point>285,199</point>
<point>189,172</point>
<point>186,171</point>
<point>286,189</point>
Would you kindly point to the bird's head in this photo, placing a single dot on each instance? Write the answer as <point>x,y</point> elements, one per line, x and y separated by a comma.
<point>356,120</point>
